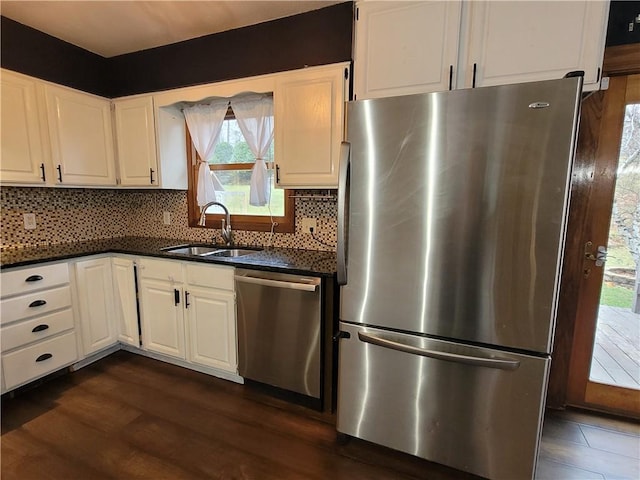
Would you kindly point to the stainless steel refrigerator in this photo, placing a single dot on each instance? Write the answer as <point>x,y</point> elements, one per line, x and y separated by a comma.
<point>451,213</point>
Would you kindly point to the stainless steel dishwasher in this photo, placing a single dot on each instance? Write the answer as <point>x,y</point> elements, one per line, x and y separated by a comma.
<point>279,330</point>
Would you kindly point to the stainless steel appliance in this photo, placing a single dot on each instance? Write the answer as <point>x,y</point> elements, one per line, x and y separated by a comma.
<point>279,330</point>
<point>451,221</point>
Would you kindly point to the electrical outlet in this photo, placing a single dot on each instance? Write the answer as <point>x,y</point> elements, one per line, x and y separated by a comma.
<point>29,221</point>
<point>308,224</point>
<point>166,218</point>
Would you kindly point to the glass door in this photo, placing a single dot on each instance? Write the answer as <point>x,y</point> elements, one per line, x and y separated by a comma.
<point>605,364</point>
<point>616,352</point>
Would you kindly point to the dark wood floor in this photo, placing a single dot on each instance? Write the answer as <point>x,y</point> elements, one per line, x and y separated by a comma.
<point>131,417</point>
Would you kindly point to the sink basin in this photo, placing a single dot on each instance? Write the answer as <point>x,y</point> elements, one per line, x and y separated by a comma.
<point>232,252</point>
<point>205,250</point>
<point>192,249</point>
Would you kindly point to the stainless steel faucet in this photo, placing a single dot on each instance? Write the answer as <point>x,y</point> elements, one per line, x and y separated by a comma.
<point>227,235</point>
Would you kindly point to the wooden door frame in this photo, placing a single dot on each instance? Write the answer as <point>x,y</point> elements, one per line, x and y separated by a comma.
<point>622,60</point>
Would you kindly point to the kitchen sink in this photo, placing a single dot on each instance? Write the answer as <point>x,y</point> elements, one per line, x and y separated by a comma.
<point>205,250</point>
<point>192,249</point>
<point>232,252</point>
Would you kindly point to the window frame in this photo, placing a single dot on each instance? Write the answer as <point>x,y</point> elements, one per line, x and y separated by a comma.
<point>259,223</point>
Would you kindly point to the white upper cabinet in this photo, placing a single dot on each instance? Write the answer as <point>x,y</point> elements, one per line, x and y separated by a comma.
<point>136,141</point>
<point>513,42</point>
<point>23,158</point>
<point>309,126</point>
<point>81,137</point>
<point>417,47</point>
<point>405,47</point>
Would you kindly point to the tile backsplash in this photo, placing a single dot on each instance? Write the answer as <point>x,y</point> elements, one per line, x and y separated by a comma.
<point>77,214</point>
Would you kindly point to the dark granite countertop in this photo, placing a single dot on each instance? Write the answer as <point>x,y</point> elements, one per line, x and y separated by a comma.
<point>286,260</point>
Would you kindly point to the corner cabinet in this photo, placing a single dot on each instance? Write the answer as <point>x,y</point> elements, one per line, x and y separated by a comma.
<point>23,159</point>
<point>125,300</point>
<point>81,137</point>
<point>309,126</point>
<point>417,47</point>
<point>136,142</point>
<point>95,300</point>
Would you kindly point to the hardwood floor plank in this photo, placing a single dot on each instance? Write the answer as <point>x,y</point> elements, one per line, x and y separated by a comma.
<point>580,456</point>
<point>91,448</point>
<point>24,457</point>
<point>614,442</point>
<point>563,430</point>
<point>550,470</point>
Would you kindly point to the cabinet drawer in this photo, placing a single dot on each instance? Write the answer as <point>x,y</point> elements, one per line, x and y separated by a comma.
<point>26,306</point>
<point>39,359</point>
<point>35,278</point>
<point>161,270</point>
<point>23,333</point>
<point>213,276</point>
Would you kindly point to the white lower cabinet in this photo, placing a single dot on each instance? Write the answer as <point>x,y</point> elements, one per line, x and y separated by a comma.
<point>60,314</point>
<point>162,318</point>
<point>125,301</point>
<point>181,300</point>
<point>37,330</point>
<point>96,304</point>
<point>211,316</point>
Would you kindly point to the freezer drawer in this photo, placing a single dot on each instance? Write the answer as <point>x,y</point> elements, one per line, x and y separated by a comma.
<point>474,409</point>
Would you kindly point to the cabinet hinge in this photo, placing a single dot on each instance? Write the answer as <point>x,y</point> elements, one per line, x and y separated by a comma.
<point>117,181</point>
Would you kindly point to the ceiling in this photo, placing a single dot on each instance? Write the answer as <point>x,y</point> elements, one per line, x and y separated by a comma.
<point>111,28</point>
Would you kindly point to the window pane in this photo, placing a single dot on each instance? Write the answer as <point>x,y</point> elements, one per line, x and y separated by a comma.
<point>232,147</point>
<point>236,194</point>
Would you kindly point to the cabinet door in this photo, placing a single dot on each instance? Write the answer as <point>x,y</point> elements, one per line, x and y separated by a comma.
<point>513,42</point>
<point>162,319</point>
<point>22,148</point>
<point>405,47</point>
<point>81,137</point>
<point>309,124</point>
<point>212,328</point>
<point>126,311</point>
<point>95,295</point>
<point>136,140</point>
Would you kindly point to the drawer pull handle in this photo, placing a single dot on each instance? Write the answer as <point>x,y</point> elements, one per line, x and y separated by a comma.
<point>43,357</point>
<point>34,278</point>
<point>37,303</point>
<point>40,328</point>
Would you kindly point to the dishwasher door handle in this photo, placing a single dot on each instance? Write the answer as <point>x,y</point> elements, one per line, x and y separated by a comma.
<point>307,287</point>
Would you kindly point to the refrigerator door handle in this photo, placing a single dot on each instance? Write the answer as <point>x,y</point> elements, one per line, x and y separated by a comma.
<point>345,163</point>
<point>502,364</point>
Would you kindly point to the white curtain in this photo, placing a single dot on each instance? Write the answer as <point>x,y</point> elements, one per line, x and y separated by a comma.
<point>254,113</point>
<point>205,124</point>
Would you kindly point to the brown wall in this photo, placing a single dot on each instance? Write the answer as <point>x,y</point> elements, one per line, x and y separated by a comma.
<point>319,37</point>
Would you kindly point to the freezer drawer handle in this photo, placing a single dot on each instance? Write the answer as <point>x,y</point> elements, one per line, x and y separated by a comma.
<point>450,357</point>
<point>307,287</point>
